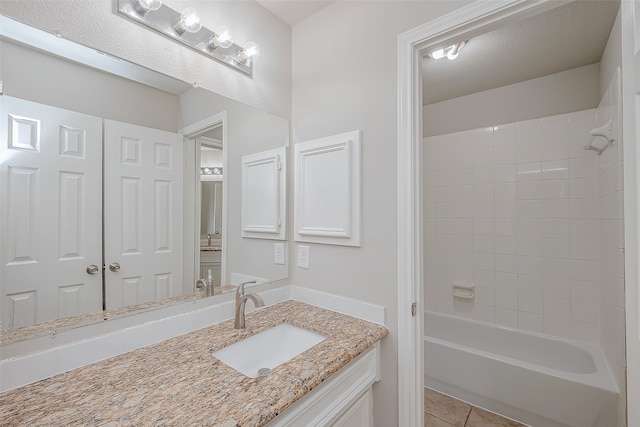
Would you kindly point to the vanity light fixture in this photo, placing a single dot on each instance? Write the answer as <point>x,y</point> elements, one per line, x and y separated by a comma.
<point>185,27</point>
<point>449,52</point>
<point>210,171</point>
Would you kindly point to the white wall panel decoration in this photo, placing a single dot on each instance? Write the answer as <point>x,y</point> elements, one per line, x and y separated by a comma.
<point>327,190</point>
<point>264,195</point>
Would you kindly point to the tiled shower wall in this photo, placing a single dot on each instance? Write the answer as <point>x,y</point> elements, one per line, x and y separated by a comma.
<point>514,209</point>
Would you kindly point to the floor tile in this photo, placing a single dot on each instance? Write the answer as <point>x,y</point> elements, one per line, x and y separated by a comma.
<point>431,421</point>
<point>446,408</point>
<point>482,418</point>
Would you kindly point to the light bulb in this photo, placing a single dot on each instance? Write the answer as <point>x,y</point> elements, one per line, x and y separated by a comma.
<point>453,52</point>
<point>144,6</point>
<point>250,52</point>
<point>438,54</point>
<point>222,38</point>
<point>189,21</point>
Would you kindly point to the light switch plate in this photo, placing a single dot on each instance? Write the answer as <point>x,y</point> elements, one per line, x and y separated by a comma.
<point>303,256</point>
<point>278,249</point>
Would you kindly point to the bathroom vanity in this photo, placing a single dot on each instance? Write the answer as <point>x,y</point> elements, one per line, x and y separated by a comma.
<point>180,382</point>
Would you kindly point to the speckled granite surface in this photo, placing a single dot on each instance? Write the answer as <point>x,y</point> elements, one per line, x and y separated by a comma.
<point>179,383</point>
<point>55,326</point>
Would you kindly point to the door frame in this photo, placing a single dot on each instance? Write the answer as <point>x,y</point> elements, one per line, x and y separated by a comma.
<point>192,202</point>
<point>471,20</point>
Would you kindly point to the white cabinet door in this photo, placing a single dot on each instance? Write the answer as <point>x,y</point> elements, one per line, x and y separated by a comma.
<point>51,212</point>
<point>143,217</point>
<point>359,414</point>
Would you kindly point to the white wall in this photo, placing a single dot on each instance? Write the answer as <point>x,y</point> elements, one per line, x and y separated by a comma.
<point>38,77</point>
<point>96,24</point>
<point>564,92</point>
<point>344,79</point>
<point>611,57</point>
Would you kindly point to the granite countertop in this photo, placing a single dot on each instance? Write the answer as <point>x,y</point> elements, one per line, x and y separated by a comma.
<point>179,382</point>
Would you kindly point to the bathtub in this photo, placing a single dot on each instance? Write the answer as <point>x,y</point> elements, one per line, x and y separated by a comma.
<point>532,378</point>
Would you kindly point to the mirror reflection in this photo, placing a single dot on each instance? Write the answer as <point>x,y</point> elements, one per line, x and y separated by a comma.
<point>109,200</point>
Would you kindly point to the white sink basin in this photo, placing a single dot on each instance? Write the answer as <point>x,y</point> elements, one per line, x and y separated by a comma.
<point>259,353</point>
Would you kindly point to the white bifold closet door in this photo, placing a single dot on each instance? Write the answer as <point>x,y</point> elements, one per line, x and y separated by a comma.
<point>50,213</point>
<point>143,214</point>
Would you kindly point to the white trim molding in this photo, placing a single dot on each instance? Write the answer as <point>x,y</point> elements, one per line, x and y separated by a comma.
<point>476,18</point>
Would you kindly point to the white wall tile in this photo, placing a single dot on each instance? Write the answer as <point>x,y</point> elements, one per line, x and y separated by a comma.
<point>556,228</point>
<point>505,227</point>
<point>529,171</point>
<point>557,307</point>
<point>555,169</point>
<point>530,321</point>
<point>529,190</point>
<point>529,141</point>
<point>506,281</point>
<point>506,191</point>
<point>557,327</point>
<point>555,132</point>
<point>530,265</point>
<point>556,267</point>
<point>505,173</point>
<point>505,245</point>
<point>556,209</point>
<point>556,248</point>
<point>531,246</point>
<point>517,210</point>
<point>506,317</point>
<point>555,189</point>
<point>557,287</point>
<point>529,228</point>
<point>506,299</point>
<point>581,188</point>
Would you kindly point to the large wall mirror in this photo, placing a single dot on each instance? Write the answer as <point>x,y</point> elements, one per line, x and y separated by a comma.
<point>120,187</point>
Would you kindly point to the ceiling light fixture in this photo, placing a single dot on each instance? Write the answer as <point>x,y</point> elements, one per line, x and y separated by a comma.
<point>185,27</point>
<point>449,52</point>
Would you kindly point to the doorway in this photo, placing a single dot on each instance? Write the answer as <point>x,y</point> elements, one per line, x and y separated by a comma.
<point>465,23</point>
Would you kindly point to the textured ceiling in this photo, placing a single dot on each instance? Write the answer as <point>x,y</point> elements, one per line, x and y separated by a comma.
<point>567,37</point>
<point>293,11</point>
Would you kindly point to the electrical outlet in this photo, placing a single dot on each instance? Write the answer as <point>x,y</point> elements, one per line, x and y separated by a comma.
<point>278,249</point>
<point>303,256</point>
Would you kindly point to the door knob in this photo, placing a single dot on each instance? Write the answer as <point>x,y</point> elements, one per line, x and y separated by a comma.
<point>114,266</point>
<point>93,269</point>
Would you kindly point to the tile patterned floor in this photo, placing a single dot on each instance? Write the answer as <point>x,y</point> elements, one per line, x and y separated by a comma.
<point>445,411</point>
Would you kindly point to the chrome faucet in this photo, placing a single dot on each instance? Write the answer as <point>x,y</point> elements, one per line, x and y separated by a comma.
<point>209,239</point>
<point>241,302</point>
<point>202,284</point>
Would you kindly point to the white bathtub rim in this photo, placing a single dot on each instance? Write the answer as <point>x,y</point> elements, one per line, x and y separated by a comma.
<point>602,378</point>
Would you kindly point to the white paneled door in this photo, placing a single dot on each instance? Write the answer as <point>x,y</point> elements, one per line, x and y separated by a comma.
<point>50,213</point>
<point>143,219</point>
